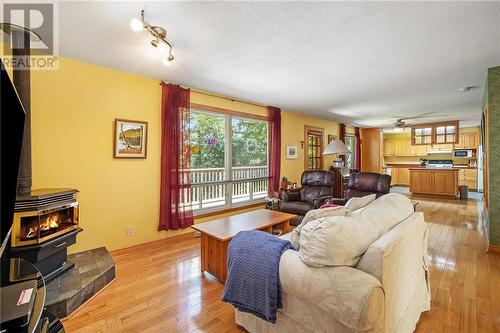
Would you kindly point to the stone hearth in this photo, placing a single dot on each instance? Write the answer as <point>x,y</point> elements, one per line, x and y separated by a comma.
<point>93,270</point>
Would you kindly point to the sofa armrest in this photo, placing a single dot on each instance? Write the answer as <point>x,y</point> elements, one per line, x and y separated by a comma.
<point>290,196</point>
<point>398,260</point>
<point>319,201</point>
<point>352,297</point>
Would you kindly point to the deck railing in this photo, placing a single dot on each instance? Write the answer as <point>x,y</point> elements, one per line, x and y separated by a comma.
<point>210,188</point>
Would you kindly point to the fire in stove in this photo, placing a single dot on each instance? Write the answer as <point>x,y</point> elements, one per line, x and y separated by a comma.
<point>38,226</point>
<point>51,222</point>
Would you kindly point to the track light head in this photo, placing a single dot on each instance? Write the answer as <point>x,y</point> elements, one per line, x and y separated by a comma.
<point>159,34</point>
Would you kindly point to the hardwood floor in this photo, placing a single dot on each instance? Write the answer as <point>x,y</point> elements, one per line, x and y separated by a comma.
<point>159,287</point>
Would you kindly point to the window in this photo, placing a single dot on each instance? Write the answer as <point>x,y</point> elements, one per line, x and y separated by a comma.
<point>421,135</point>
<point>228,163</point>
<point>446,133</point>
<point>350,159</point>
<point>436,133</point>
<point>313,148</point>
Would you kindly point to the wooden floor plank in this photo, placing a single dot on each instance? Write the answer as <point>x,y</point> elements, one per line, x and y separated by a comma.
<point>159,286</point>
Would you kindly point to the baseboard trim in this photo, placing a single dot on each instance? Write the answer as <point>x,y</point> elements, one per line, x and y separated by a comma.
<point>494,249</point>
<point>176,238</point>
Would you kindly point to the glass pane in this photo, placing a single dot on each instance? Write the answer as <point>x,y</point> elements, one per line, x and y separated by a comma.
<point>440,130</point>
<point>426,140</point>
<point>249,143</point>
<point>241,192</point>
<point>440,138</point>
<point>427,131</point>
<point>450,138</point>
<point>417,139</point>
<point>450,129</point>
<point>207,142</point>
<point>350,143</point>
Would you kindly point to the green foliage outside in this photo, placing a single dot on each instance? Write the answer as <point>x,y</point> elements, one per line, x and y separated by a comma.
<point>207,132</point>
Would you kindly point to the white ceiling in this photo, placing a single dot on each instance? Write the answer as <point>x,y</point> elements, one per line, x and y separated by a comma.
<point>364,63</point>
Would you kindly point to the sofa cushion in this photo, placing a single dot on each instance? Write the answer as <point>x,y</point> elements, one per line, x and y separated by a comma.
<point>314,215</point>
<point>342,240</point>
<point>358,203</point>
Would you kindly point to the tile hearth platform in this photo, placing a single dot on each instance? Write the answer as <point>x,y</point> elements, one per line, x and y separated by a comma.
<point>93,270</point>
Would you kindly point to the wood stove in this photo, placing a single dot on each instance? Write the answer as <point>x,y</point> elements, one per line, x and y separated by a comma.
<point>45,223</point>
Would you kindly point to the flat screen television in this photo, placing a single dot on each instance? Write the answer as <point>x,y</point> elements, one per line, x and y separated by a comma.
<point>12,117</point>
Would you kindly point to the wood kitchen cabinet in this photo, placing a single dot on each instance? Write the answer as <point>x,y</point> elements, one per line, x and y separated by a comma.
<point>398,147</point>
<point>468,177</point>
<point>400,176</point>
<point>434,182</point>
<point>468,140</point>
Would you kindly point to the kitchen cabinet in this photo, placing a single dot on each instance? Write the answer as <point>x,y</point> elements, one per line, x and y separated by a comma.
<point>420,150</point>
<point>389,147</point>
<point>400,176</point>
<point>435,133</point>
<point>441,182</point>
<point>440,147</point>
<point>468,140</point>
<point>398,147</point>
<point>468,177</point>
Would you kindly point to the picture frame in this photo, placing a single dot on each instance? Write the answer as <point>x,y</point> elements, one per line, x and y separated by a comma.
<point>292,152</point>
<point>330,138</point>
<point>130,138</point>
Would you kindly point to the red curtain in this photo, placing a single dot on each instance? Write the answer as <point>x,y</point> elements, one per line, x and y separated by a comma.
<point>358,148</point>
<point>175,179</point>
<point>274,115</point>
<point>342,138</point>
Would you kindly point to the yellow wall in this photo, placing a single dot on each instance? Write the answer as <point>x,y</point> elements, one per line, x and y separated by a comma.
<point>292,132</point>
<point>73,112</point>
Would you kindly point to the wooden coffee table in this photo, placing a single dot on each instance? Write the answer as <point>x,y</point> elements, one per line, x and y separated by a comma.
<point>216,235</point>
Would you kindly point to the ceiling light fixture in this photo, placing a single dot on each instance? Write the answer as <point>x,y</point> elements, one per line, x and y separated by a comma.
<point>159,40</point>
<point>467,88</point>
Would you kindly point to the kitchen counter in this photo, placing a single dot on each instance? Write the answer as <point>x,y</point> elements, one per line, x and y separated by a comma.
<point>434,168</point>
<point>434,181</point>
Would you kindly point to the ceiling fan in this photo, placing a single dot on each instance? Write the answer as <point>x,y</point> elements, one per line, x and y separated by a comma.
<point>401,124</point>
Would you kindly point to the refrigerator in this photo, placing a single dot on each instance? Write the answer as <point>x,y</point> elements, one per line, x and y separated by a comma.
<point>480,166</point>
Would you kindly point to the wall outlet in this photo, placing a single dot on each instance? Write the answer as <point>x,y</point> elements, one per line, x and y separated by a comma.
<point>130,231</point>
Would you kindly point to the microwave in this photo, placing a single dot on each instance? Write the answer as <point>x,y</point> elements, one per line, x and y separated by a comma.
<point>463,153</point>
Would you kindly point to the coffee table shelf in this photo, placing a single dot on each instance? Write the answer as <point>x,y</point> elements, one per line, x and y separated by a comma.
<point>216,235</point>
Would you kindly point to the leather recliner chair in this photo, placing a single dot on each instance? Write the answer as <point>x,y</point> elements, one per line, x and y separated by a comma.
<point>316,188</point>
<point>364,183</point>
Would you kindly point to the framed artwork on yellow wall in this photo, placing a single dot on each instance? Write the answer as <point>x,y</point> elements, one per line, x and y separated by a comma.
<point>130,138</point>
<point>292,152</point>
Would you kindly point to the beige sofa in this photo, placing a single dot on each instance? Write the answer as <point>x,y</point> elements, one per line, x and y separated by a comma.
<point>386,291</point>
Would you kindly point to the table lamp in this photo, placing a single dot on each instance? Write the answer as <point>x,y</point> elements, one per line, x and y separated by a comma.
<point>336,147</point>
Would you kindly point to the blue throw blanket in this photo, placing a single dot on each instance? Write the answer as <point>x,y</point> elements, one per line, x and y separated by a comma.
<point>253,283</point>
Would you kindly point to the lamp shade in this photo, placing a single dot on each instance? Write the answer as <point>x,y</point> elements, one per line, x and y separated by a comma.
<point>336,147</point>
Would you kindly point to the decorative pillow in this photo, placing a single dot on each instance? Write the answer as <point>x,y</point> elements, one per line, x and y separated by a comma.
<point>313,215</point>
<point>358,203</point>
<point>342,240</point>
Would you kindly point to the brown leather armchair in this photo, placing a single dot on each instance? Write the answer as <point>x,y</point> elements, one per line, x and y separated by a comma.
<point>316,188</point>
<point>364,183</point>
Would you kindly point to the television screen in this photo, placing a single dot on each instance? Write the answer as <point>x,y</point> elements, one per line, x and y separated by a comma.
<point>11,135</point>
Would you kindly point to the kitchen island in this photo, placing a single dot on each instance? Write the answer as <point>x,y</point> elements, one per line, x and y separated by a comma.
<point>434,181</point>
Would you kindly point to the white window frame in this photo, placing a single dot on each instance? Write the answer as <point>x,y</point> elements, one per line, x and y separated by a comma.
<point>228,168</point>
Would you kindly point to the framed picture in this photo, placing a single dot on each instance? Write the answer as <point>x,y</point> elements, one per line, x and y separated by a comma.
<point>130,138</point>
<point>330,138</point>
<point>292,153</point>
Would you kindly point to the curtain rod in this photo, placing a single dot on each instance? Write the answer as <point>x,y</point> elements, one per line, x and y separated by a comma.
<point>219,96</point>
